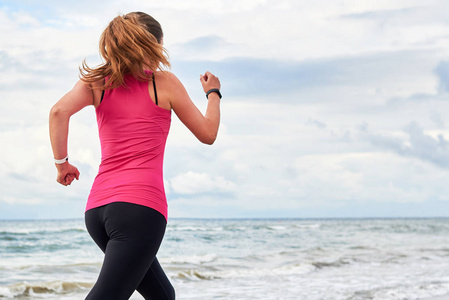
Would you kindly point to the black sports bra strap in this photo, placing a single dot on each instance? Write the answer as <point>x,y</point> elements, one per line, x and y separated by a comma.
<point>102,93</point>
<point>154,88</point>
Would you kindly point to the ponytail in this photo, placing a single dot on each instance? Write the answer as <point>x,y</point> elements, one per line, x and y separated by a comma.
<point>129,45</point>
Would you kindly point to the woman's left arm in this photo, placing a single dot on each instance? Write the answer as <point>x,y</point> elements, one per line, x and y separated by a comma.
<point>79,97</point>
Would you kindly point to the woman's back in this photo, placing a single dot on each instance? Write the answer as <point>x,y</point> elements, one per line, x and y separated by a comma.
<point>133,131</point>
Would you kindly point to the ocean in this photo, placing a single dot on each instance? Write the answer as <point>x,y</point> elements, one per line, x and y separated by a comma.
<point>310,259</point>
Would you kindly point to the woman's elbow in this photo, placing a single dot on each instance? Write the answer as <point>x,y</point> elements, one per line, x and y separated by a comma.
<point>208,139</point>
<point>55,111</point>
<point>58,113</point>
<point>209,142</point>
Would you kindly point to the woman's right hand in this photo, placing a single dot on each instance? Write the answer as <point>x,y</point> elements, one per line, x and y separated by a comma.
<point>209,81</point>
<point>67,173</point>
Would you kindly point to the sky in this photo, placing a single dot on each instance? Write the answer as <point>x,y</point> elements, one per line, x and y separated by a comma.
<point>330,109</point>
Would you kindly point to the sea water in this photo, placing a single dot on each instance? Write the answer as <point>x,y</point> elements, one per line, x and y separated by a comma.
<point>243,259</point>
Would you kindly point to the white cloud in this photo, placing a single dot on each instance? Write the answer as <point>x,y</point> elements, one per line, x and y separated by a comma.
<point>366,177</point>
<point>191,183</point>
<point>416,144</point>
<point>209,48</point>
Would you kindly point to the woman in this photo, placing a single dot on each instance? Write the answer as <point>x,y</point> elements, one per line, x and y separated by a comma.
<point>126,211</point>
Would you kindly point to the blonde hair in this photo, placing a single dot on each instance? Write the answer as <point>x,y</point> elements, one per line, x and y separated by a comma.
<point>130,44</point>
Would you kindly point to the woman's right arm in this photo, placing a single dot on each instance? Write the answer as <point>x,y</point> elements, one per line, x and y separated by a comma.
<point>80,96</point>
<point>204,127</point>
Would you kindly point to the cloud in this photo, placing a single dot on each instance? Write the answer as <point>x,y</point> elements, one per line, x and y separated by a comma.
<point>192,183</point>
<point>213,47</point>
<point>417,144</point>
<point>317,123</point>
<point>442,71</point>
<point>415,13</point>
<point>382,14</point>
<point>379,73</point>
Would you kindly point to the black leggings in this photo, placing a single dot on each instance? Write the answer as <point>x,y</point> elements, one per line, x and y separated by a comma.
<point>130,236</point>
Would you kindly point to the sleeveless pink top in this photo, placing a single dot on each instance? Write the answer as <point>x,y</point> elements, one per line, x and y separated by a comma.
<point>133,132</point>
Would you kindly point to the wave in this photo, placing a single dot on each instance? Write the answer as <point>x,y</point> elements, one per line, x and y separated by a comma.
<point>39,231</point>
<point>216,273</point>
<point>285,263</point>
<point>193,259</point>
<point>52,268</point>
<point>338,263</point>
<point>242,227</point>
<point>194,228</point>
<point>42,288</point>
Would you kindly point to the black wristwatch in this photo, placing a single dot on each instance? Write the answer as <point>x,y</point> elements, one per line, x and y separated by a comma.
<point>213,91</point>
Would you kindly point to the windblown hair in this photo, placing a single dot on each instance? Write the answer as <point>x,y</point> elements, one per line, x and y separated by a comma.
<point>130,44</point>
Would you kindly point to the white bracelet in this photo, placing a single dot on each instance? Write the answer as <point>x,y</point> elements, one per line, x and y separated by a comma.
<point>61,161</point>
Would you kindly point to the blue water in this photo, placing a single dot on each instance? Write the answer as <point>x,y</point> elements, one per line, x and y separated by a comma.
<point>243,259</point>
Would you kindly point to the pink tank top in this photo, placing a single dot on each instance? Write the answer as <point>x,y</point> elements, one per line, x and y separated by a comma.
<point>133,131</point>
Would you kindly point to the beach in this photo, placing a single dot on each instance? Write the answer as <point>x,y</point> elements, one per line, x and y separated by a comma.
<point>243,259</point>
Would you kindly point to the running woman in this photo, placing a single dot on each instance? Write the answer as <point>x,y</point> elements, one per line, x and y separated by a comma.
<point>133,96</point>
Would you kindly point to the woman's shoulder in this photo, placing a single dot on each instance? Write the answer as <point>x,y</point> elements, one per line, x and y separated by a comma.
<point>96,88</point>
<point>168,78</point>
<point>165,75</point>
<point>90,85</point>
